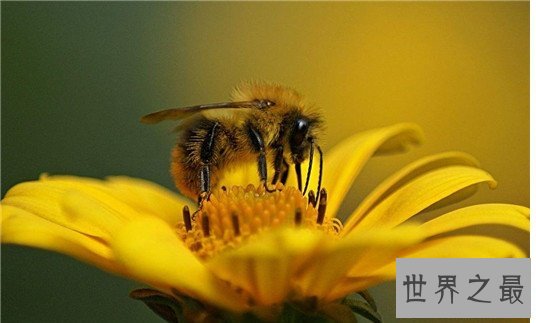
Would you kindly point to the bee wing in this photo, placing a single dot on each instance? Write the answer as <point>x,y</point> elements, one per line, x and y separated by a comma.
<point>182,113</point>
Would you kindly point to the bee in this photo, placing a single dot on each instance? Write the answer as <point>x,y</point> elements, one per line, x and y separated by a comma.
<point>263,122</point>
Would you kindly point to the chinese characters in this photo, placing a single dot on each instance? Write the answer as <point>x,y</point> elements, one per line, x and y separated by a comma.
<point>510,289</point>
<point>463,288</point>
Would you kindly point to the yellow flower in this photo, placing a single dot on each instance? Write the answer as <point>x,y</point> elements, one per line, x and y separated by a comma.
<point>248,250</point>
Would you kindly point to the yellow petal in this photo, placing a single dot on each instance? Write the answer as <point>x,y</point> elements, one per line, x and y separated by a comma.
<point>140,195</point>
<point>265,266</point>
<point>248,174</point>
<point>151,252</point>
<point>420,193</point>
<point>90,186</point>
<point>449,247</point>
<point>55,188</point>
<point>466,246</point>
<point>344,161</point>
<point>148,197</point>
<point>403,176</point>
<point>502,214</point>
<point>241,176</point>
<point>24,228</point>
<point>333,260</point>
<point>80,205</point>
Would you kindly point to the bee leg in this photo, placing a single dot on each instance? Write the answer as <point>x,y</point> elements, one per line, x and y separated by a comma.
<point>311,155</point>
<point>284,175</point>
<point>258,146</point>
<point>204,180</point>
<point>263,172</point>
<point>297,168</point>
<point>207,152</point>
<point>278,162</point>
<point>320,170</point>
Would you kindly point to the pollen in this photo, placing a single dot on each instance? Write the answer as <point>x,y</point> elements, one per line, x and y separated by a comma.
<point>232,216</point>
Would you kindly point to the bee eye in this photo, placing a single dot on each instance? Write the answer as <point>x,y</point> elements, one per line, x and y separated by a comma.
<point>300,130</point>
<point>301,125</point>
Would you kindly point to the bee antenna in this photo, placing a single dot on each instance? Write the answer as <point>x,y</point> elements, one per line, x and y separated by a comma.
<point>311,157</point>
<point>319,175</point>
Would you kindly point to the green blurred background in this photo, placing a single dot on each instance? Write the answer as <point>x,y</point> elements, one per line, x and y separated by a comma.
<point>76,77</point>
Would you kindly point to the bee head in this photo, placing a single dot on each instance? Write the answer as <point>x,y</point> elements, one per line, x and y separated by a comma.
<point>303,132</point>
<point>304,129</point>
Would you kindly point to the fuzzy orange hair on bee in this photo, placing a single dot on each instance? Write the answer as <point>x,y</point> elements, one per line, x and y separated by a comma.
<point>263,122</point>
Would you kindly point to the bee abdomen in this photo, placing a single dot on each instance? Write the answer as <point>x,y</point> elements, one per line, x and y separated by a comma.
<point>185,175</point>
<point>207,143</point>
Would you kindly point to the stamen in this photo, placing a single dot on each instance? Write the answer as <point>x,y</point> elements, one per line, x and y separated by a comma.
<point>187,218</point>
<point>236,224</point>
<point>322,206</point>
<point>298,216</point>
<point>234,215</point>
<point>311,198</point>
<point>205,225</point>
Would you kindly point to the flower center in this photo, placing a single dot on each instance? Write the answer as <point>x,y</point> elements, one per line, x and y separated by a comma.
<point>231,216</point>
